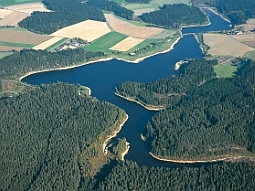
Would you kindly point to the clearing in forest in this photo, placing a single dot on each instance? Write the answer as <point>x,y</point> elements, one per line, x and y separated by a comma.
<point>87,30</point>
<point>225,45</point>
<point>47,43</point>
<point>131,30</point>
<point>127,44</point>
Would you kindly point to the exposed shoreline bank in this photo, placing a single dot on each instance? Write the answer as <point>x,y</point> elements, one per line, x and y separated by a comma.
<point>151,108</point>
<point>200,161</point>
<point>114,134</point>
<point>125,152</point>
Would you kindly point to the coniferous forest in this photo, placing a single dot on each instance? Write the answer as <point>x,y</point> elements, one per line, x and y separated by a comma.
<point>64,13</point>
<point>175,16</point>
<point>209,118</point>
<point>236,11</point>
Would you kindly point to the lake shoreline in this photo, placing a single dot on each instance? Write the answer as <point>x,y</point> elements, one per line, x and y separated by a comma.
<point>234,158</point>
<point>100,60</point>
<point>151,108</point>
<point>114,134</point>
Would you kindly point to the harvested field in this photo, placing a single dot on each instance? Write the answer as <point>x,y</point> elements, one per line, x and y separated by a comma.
<point>129,29</point>
<point>27,37</point>
<point>87,30</point>
<point>4,12</point>
<point>247,39</point>
<point>225,45</point>
<point>9,48</point>
<point>47,43</point>
<point>28,7</point>
<point>250,24</point>
<point>13,19</point>
<point>127,44</point>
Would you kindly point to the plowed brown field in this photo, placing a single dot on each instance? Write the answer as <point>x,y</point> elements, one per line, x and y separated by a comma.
<point>131,29</point>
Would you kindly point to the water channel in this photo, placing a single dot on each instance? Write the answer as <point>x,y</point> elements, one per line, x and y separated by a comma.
<point>103,77</point>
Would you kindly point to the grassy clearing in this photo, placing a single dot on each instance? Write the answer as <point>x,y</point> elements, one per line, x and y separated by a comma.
<point>105,42</point>
<point>225,70</point>
<point>200,40</point>
<point>56,44</point>
<point>13,44</point>
<point>155,4</point>
<point>14,2</point>
<point>3,54</point>
<point>250,55</point>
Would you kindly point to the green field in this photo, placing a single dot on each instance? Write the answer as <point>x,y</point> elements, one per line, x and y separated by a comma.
<point>13,44</point>
<point>225,70</point>
<point>105,42</point>
<point>56,44</point>
<point>3,54</point>
<point>14,2</point>
<point>155,4</point>
<point>250,55</point>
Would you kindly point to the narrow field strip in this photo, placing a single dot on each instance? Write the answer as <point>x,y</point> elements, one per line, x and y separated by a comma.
<point>47,43</point>
<point>127,44</point>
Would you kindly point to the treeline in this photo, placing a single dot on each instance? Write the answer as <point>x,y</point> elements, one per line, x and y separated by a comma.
<point>114,7</point>
<point>64,13</point>
<point>175,16</point>
<point>43,134</point>
<point>138,1</point>
<point>213,177</point>
<point>167,92</point>
<point>25,61</point>
<point>206,117</point>
<point>236,11</point>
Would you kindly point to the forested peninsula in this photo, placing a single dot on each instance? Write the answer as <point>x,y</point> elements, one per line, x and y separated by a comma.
<point>174,16</point>
<point>206,118</point>
<point>236,11</point>
<point>51,138</point>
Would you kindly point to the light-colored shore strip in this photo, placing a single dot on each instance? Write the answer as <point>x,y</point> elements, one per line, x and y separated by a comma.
<point>179,63</point>
<point>200,161</point>
<point>218,14</point>
<point>125,152</point>
<point>99,60</point>
<point>151,107</point>
<point>114,133</point>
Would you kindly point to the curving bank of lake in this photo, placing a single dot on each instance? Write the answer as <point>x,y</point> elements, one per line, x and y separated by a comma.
<point>103,76</point>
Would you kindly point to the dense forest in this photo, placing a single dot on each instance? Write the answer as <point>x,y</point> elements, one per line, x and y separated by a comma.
<point>212,177</point>
<point>206,117</point>
<point>25,61</point>
<point>175,16</point>
<point>167,92</point>
<point>64,13</point>
<point>236,11</point>
<point>43,135</point>
<point>113,7</point>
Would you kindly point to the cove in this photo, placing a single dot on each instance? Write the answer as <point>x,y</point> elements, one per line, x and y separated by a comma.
<point>103,77</point>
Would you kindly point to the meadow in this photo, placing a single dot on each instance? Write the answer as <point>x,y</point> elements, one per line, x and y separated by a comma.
<point>105,42</point>
<point>14,2</point>
<point>225,70</point>
<point>250,55</point>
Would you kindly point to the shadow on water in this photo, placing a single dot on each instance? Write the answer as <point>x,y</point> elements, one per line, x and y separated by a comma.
<point>103,77</point>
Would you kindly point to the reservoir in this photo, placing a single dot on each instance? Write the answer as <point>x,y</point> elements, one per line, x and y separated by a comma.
<point>103,77</point>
